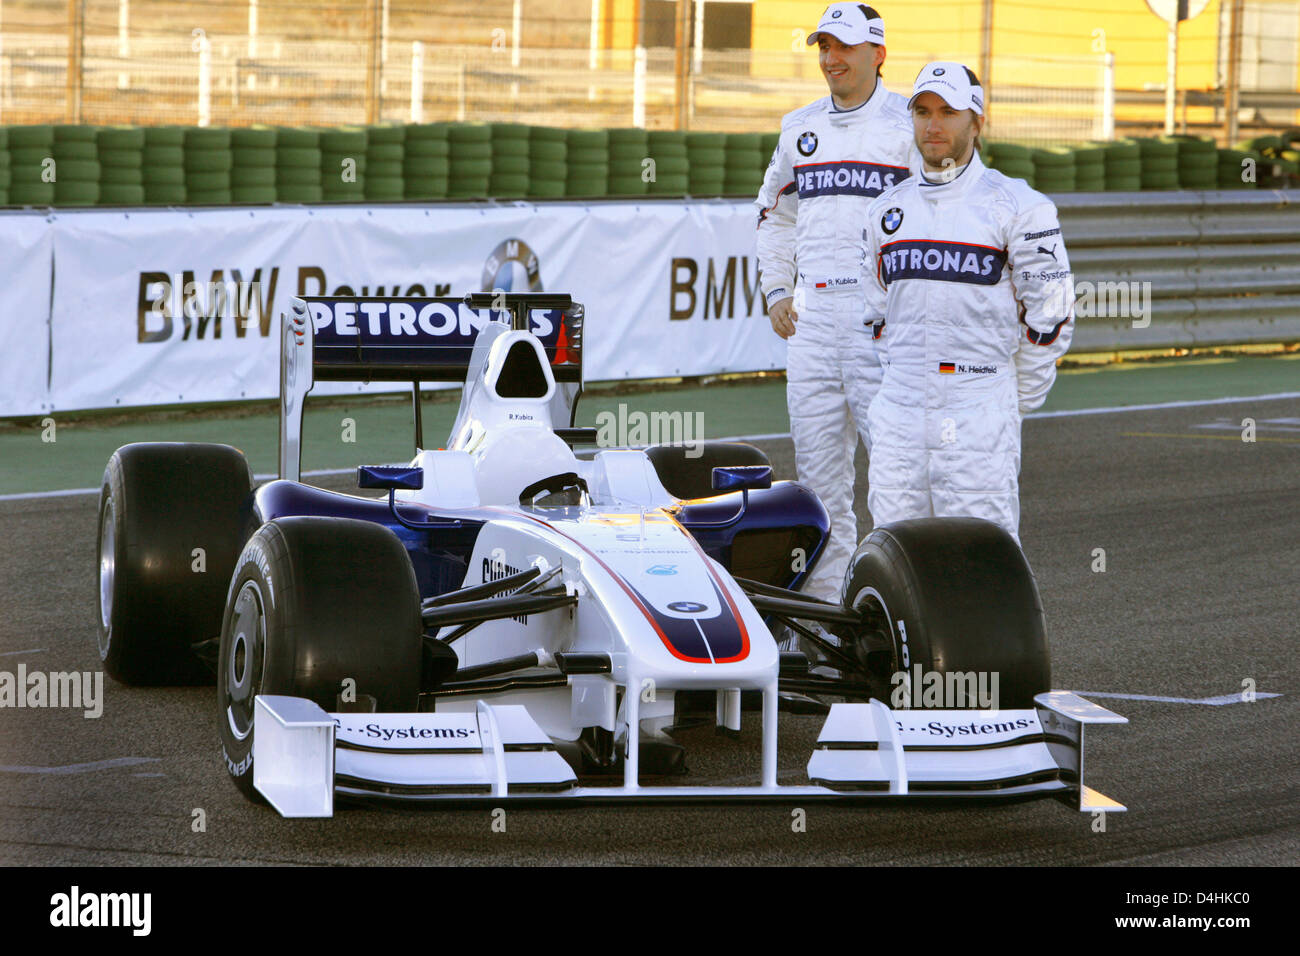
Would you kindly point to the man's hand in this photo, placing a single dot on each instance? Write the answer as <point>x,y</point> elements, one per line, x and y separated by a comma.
<point>783,316</point>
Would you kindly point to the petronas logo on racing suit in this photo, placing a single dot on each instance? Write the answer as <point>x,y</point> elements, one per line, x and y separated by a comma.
<point>846,179</point>
<point>944,261</point>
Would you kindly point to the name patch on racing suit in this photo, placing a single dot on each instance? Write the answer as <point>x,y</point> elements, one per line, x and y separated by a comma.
<point>944,261</point>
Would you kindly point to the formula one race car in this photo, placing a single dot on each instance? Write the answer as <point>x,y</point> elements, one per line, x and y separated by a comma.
<point>513,620</point>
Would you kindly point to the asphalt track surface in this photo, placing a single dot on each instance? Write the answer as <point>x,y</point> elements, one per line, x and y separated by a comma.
<point>1201,535</point>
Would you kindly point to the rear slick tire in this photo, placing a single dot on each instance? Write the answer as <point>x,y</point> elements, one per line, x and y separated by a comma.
<point>172,518</point>
<point>955,596</point>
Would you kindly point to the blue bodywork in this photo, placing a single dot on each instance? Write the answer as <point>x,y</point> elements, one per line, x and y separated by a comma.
<point>776,541</point>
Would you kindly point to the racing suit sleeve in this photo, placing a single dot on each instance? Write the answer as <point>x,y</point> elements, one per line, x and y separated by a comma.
<point>778,204</point>
<point>1044,290</point>
<point>873,287</point>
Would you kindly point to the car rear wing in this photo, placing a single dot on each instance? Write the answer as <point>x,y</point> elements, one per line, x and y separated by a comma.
<point>402,339</point>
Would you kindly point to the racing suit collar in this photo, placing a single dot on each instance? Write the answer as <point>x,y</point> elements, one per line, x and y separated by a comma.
<point>956,188</point>
<point>863,111</point>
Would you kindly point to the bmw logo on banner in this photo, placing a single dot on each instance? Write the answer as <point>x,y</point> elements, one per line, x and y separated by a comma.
<point>512,267</point>
<point>807,143</point>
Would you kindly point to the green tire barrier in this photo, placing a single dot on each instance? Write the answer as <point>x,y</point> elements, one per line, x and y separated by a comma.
<point>252,176</point>
<point>121,158</point>
<point>75,193</point>
<point>385,152</point>
<point>250,156</point>
<point>163,155</point>
<point>74,149</point>
<point>164,194</point>
<point>115,194</point>
<point>298,175</point>
<point>209,161</point>
<point>510,184</point>
<point>120,138</point>
<point>347,140</point>
<point>31,194</point>
<point>385,187</point>
<point>163,175</point>
<point>298,192</point>
<point>596,139</point>
<point>206,182</point>
<point>32,137</point>
<point>428,148</point>
<point>298,157</point>
<point>386,134</point>
<point>173,164</point>
<point>253,137</point>
<point>421,167</point>
<point>383,170</point>
<point>121,176</point>
<point>511,165</point>
<point>296,137</point>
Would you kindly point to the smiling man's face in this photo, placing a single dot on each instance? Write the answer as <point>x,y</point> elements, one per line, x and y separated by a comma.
<point>850,71</point>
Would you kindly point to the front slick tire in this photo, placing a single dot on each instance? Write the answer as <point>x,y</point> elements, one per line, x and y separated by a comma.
<point>955,596</point>
<point>315,602</point>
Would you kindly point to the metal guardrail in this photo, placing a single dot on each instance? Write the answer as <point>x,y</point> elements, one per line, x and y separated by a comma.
<point>1213,268</point>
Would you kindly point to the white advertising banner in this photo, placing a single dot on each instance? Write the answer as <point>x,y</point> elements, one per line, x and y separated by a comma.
<point>26,244</point>
<point>163,307</point>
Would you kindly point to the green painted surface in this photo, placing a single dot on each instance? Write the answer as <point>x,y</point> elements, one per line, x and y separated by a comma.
<point>382,432</point>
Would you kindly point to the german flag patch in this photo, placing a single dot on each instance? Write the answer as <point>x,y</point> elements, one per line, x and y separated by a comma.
<point>947,368</point>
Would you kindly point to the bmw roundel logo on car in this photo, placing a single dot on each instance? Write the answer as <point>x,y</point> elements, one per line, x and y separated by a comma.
<point>687,607</point>
<point>807,143</point>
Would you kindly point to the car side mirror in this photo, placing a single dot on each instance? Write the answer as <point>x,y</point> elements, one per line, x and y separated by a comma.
<point>392,477</point>
<point>742,477</point>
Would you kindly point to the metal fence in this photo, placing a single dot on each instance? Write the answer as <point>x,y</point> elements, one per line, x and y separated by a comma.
<point>227,79</point>
<point>1206,268</point>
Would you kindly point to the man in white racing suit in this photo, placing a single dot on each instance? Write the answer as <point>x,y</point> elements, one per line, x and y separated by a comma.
<point>833,157</point>
<point>970,270</point>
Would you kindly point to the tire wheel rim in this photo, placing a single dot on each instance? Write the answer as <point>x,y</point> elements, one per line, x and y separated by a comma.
<point>107,574</point>
<point>245,660</point>
<point>869,603</point>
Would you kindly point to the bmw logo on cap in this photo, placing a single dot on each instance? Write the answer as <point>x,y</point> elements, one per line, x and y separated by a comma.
<point>836,14</point>
<point>891,220</point>
<point>807,143</point>
<point>938,71</point>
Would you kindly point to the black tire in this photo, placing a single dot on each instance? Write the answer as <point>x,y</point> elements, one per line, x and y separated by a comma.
<point>159,502</point>
<point>692,477</point>
<point>962,593</point>
<point>314,601</point>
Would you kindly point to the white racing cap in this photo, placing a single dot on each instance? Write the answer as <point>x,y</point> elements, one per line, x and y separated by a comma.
<point>957,84</point>
<point>851,23</point>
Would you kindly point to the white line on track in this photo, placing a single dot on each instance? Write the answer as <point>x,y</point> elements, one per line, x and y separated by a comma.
<point>34,650</point>
<point>770,436</point>
<point>1220,701</point>
<point>83,767</point>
